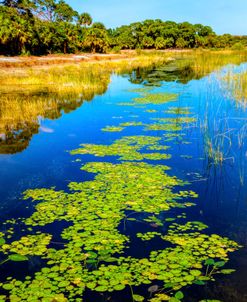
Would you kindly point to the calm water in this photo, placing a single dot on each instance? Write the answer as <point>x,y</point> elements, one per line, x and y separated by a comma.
<point>222,189</point>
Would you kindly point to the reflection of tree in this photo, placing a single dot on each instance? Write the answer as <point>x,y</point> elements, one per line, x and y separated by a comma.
<point>16,140</point>
<point>21,108</point>
<point>168,73</point>
<point>28,95</point>
<point>24,99</point>
<point>20,114</point>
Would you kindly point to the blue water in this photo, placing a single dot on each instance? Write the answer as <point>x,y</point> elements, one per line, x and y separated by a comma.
<point>222,189</point>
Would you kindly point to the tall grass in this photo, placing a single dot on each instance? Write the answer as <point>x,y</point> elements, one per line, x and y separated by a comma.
<point>203,62</point>
<point>236,84</point>
<point>27,94</point>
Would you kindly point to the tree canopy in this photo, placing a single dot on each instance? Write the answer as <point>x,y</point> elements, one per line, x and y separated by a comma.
<point>53,26</point>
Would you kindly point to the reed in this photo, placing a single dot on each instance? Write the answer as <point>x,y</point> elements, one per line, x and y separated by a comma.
<point>203,62</point>
<point>236,85</point>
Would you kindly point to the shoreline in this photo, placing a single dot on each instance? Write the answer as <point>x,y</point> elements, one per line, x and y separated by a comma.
<point>8,62</point>
<point>51,60</point>
<point>48,60</point>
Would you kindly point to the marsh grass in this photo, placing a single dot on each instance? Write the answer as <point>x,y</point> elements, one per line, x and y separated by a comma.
<point>75,77</point>
<point>236,85</point>
<point>203,62</point>
<point>30,94</point>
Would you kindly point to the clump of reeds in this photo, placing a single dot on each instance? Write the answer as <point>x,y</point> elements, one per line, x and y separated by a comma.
<point>204,62</point>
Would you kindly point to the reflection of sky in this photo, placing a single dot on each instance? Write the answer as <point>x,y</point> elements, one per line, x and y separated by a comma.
<point>225,16</point>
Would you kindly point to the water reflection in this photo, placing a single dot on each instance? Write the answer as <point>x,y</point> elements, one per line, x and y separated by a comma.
<point>172,72</point>
<point>26,100</point>
<point>21,114</point>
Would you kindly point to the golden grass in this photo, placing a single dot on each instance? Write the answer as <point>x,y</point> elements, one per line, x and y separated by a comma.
<point>28,93</point>
<point>236,85</point>
<point>73,78</point>
<point>203,62</point>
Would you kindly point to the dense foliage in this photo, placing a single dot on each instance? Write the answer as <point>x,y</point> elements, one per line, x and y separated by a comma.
<point>53,26</point>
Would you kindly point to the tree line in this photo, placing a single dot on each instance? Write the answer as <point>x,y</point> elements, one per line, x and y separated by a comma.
<point>40,27</point>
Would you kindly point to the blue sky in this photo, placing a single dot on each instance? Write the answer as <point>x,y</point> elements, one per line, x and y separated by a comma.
<point>225,16</point>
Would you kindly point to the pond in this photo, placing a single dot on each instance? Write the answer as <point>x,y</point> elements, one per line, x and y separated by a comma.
<point>137,194</point>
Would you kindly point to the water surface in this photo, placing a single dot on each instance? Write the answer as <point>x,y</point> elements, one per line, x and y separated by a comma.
<point>220,120</point>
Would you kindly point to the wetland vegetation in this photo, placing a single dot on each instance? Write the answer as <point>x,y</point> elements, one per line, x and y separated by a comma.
<point>52,26</point>
<point>150,139</point>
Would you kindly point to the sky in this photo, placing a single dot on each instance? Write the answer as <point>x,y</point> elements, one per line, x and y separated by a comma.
<point>224,16</point>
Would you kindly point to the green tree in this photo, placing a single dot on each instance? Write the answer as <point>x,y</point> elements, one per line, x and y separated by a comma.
<point>147,42</point>
<point>96,38</point>
<point>160,43</point>
<point>181,43</point>
<point>85,19</point>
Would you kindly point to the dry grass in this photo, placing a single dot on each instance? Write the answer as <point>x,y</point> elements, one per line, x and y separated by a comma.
<point>30,93</point>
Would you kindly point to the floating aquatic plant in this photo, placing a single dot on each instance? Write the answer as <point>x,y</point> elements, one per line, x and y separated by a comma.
<point>151,110</point>
<point>126,148</point>
<point>112,129</point>
<point>93,250</point>
<point>156,98</point>
<point>178,120</point>
<point>178,110</point>
<point>163,127</point>
<point>127,124</point>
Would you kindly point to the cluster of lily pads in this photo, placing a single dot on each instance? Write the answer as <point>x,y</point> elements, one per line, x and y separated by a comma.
<point>92,253</point>
<point>150,98</point>
<point>127,148</point>
<point>165,124</point>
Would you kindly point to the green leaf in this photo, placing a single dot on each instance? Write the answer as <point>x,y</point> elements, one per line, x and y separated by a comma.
<point>101,288</point>
<point>220,263</point>
<point>138,298</point>
<point>199,282</point>
<point>195,273</point>
<point>119,287</point>
<point>110,259</point>
<point>2,241</point>
<point>227,271</point>
<point>17,258</point>
<point>91,261</point>
<point>210,262</point>
<point>179,295</point>
<point>63,283</point>
<point>170,219</point>
<point>8,286</point>
<point>92,255</point>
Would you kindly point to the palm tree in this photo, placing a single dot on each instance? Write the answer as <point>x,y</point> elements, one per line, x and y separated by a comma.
<point>85,19</point>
